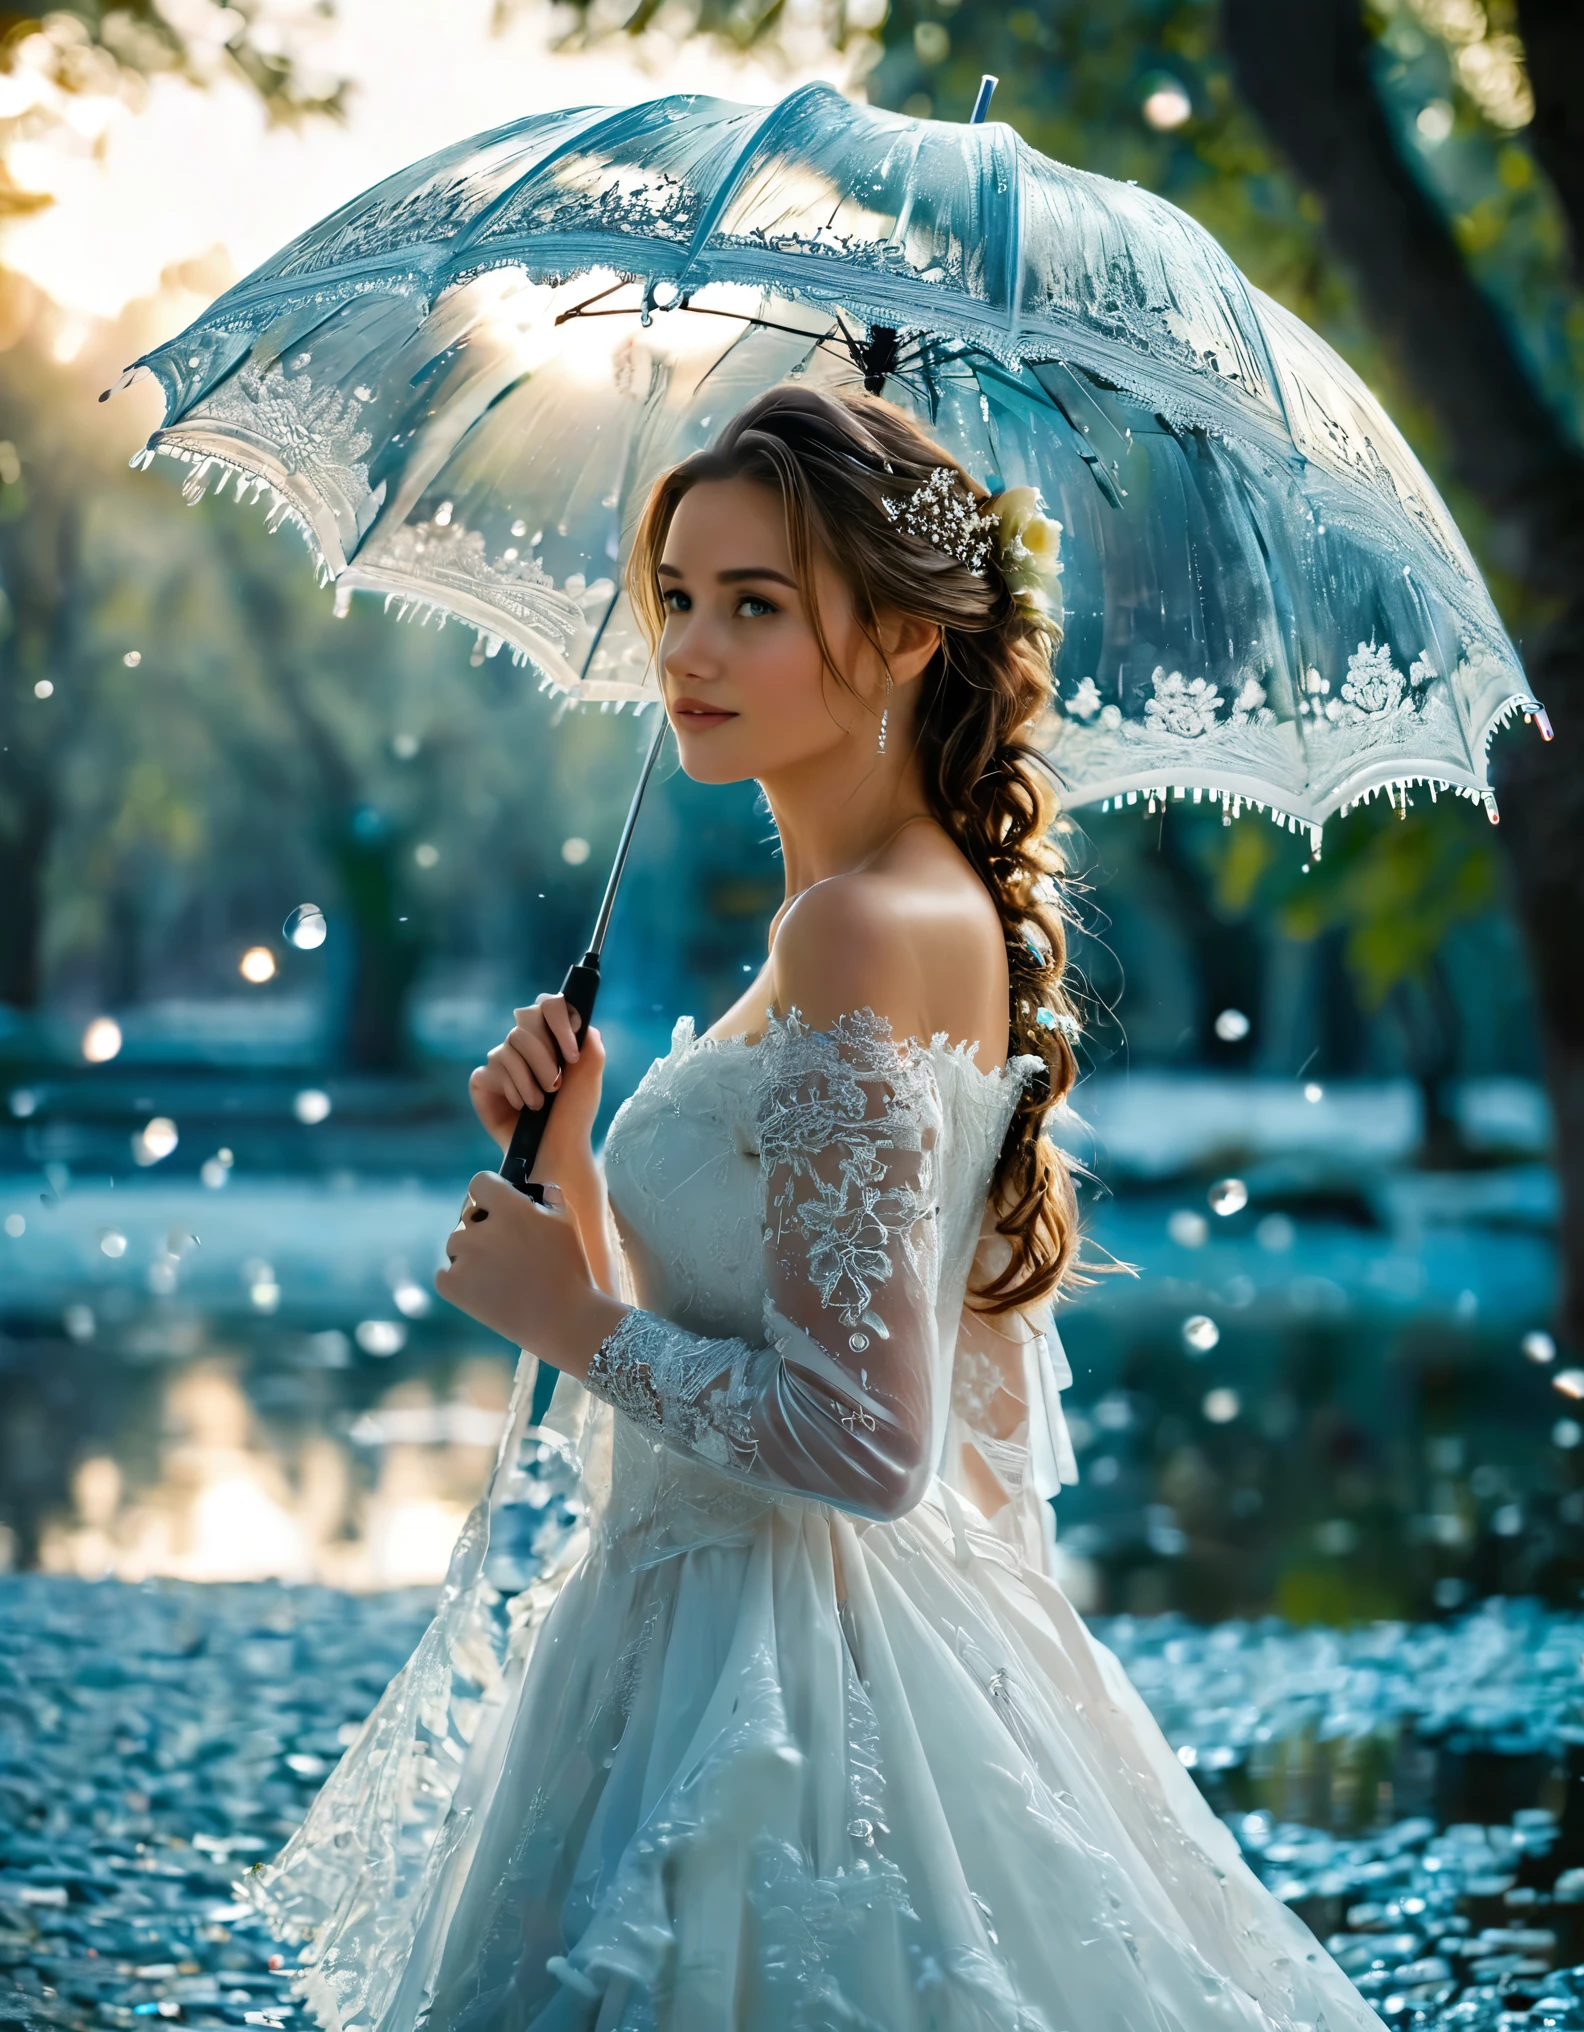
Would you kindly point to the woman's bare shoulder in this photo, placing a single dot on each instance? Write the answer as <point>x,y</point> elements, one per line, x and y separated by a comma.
<point>915,938</point>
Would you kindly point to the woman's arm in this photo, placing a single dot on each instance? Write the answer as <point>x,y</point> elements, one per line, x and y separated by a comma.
<point>836,1401</point>
<point>585,1199</point>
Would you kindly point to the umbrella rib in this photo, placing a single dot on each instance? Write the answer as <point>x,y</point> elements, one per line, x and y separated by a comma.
<point>1015,249</point>
<point>582,309</point>
<point>727,188</point>
<point>707,310</point>
<point>606,118</point>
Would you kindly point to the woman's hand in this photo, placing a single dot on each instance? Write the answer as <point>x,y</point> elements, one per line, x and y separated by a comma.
<point>521,1269</point>
<point>543,1054</point>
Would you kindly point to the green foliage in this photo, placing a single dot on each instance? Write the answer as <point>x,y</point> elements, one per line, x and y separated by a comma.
<point>1394,887</point>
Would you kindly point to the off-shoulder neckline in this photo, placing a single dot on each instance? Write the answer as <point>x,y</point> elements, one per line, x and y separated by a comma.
<point>686,1039</point>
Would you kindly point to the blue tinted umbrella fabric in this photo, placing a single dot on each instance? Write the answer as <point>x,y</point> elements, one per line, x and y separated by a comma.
<point>461,385</point>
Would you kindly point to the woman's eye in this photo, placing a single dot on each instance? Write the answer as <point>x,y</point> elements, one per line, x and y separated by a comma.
<point>752,600</point>
<point>670,598</point>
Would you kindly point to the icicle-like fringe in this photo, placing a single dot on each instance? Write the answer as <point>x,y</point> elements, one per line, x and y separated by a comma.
<point>251,487</point>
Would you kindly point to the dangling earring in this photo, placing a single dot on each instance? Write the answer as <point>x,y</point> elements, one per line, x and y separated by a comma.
<point>885,714</point>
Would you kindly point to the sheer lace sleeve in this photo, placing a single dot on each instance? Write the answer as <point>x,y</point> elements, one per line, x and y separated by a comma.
<point>836,1403</point>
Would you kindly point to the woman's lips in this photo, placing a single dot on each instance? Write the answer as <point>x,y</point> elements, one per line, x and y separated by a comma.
<point>697,716</point>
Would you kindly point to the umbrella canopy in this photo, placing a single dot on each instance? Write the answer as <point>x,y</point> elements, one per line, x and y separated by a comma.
<point>461,384</point>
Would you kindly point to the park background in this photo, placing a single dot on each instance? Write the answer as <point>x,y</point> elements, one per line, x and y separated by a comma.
<point>1329,1421</point>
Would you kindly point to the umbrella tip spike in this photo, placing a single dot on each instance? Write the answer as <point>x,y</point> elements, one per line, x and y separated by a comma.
<point>981,108</point>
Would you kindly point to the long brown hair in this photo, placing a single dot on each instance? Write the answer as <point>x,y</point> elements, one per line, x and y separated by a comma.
<point>835,460</point>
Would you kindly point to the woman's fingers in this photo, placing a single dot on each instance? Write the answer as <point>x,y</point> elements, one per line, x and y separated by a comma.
<point>563,1022</point>
<point>537,1054</point>
<point>514,1078</point>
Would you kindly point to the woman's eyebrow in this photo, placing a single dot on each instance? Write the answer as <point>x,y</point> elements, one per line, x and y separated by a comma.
<point>726,578</point>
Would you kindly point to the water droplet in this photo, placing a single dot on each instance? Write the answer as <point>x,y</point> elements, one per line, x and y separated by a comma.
<point>1221,1406</point>
<point>1570,1382</point>
<point>257,965</point>
<point>112,1243</point>
<point>155,1140</point>
<point>132,658</point>
<point>519,528</point>
<point>44,689</point>
<point>311,1105</point>
<point>214,1173</point>
<point>305,928</point>
<point>858,1342</point>
<point>574,851</point>
<point>1276,1233</point>
<point>1228,1196</point>
<point>78,1321</point>
<point>24,1102</point>
<point>426,854</point>
<point>1232,1026</point>
<point>1566,1433</point>
<point>1538,1346</point>
<point>15,1224</point>
<point>1313,1091</point>
<point>381,1336</point>
<point>1188,1229</point>
<point>1200,1334</point>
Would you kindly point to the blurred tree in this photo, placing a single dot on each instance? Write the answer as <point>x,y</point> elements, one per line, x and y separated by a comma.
<point>1308,70</point>
<point>43,495</point>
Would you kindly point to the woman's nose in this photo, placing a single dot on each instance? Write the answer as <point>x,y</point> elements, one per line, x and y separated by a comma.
<point>690,653</point>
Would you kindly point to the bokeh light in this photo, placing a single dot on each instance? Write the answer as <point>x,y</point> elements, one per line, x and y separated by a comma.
<point>101,1041</point>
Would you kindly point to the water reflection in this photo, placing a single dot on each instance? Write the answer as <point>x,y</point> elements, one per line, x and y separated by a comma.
<point>378,1508</point>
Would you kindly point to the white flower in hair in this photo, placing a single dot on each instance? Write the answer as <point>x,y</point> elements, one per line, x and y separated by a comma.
<point>1029,549</point>
<point>1011,530</point>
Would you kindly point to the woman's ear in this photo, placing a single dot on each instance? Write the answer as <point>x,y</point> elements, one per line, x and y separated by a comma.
<point>909,642</point>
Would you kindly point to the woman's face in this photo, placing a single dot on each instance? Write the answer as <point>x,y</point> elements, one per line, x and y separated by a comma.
<point>745,686</point>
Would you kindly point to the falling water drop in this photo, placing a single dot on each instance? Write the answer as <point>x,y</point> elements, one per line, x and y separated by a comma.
<point>1232,1026</point>
<point>305,928</point>
<point>1228,1196</point>
<point>1200,1334</point>
<point>155,1140</point>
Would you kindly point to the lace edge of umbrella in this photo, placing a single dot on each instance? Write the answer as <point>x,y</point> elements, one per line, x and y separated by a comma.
<point>1184,750</point>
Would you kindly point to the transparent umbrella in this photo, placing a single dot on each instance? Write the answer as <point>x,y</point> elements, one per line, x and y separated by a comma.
<point>461,384</point>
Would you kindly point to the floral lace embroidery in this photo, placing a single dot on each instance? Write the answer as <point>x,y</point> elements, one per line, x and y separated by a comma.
<point>818,1102</point>
<point>848,1124</point>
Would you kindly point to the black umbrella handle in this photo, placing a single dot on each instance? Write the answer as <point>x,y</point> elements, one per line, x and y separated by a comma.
<point>580,988</point>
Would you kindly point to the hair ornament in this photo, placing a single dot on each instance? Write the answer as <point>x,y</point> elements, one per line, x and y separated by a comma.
<point>941,513</point>
<point>1011,530</point>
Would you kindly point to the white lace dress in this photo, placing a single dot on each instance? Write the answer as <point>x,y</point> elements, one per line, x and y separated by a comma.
<point>787,1733</point>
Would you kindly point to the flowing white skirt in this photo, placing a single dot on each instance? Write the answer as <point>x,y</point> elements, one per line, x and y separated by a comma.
<point>756,1765</point>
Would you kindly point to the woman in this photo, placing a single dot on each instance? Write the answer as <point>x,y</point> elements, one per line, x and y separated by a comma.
<point>805,1735</point>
